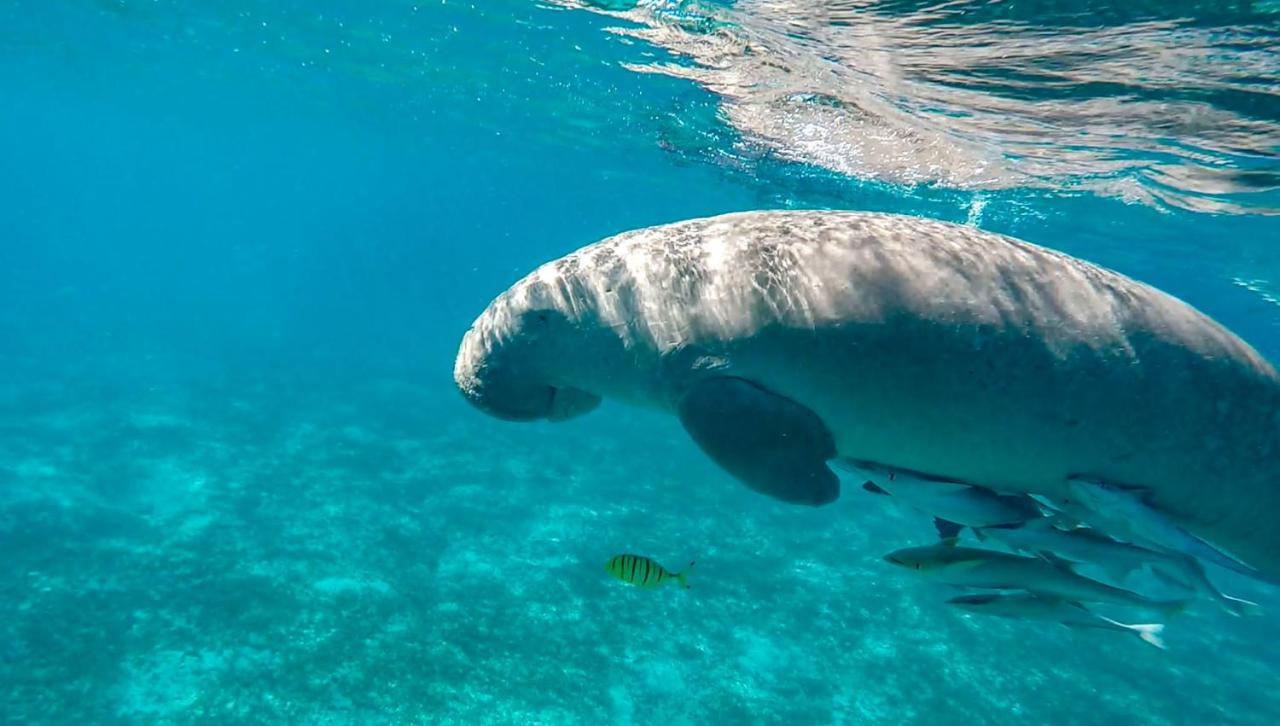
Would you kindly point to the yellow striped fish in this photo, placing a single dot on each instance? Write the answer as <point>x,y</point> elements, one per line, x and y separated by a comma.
<point>644,572</point>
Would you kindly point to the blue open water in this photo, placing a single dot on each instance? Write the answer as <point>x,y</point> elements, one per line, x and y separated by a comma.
<point>240,242</point>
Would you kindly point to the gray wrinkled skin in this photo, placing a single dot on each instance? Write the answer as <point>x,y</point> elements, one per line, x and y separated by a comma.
<point>920,344</point>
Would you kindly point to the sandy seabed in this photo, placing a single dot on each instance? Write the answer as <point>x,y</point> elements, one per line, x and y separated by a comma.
<point>384,554</point>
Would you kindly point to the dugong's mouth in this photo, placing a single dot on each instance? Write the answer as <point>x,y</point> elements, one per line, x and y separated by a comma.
<point>568,402</point>
<point>511,392</point>
<point>513,373</point>
<point>545,402</point>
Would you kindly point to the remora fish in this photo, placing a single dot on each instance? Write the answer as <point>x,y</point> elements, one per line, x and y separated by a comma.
<point>644,572</point>
<point>971,567</point>
<point>1122,513</point>
<point>1027,606</point>
<point>1118,559</point>
<point>955,503</point>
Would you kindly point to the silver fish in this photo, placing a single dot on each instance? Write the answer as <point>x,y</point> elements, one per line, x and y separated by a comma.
<point>1026,606</point>
<point>972,567</point>
<point>1122,513</point>
<point>963,504</point>
<point>1117,559</point>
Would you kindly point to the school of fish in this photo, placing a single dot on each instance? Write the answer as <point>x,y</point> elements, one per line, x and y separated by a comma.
<point>1034,576</point>
<point>1106,528</point>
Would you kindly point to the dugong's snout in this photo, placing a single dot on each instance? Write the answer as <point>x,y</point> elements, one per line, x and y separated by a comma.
<point>505,381</point>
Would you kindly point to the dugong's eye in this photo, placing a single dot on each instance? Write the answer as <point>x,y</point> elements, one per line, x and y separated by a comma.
<point>537,318</point>
<point>541,321</point>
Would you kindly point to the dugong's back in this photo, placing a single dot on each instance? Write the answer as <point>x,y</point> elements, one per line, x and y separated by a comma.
<point>945,349</point>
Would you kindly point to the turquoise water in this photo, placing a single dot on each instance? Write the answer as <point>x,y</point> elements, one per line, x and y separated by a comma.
<point>242,240</point>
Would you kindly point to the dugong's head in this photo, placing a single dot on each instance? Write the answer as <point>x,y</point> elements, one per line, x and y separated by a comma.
<point>515,361</point>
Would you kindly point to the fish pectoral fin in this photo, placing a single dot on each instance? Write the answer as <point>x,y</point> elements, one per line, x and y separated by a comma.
<point>947,530</point>
<point>870,486</point>
<point>768,442</point>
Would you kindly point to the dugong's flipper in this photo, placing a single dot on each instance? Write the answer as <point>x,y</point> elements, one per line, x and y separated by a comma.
<point>768,442</point>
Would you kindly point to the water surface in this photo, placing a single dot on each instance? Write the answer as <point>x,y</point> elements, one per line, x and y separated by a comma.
<point>242,240</point>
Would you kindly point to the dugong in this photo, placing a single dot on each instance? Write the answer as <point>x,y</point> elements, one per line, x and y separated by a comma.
<point>785,339</point>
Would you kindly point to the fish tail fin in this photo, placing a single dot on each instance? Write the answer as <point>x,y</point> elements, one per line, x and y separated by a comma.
<point>1150,633</point>
<point>1239,606</point>
<point>682,576</point>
